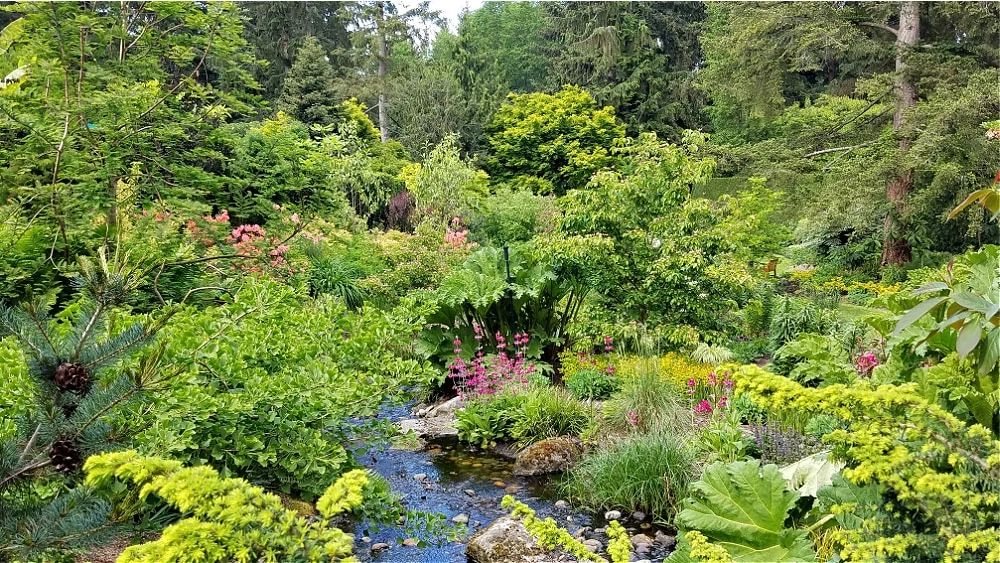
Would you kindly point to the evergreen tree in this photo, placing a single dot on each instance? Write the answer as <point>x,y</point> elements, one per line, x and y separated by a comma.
<point>277,31</point>
<point>638,57</point>
<point>308,93</point>
<point>77,391</point>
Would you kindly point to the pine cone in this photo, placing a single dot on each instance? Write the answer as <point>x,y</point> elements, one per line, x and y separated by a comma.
<point>72,377</point>
<point>65,456</point>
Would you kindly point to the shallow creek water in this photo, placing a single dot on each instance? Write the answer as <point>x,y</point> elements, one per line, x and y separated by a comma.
<point>458,479</point>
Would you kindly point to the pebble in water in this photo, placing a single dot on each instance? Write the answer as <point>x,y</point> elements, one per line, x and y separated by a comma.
<point>562,504</point>
<point>420,476</point>
<point>380,546</point>
<point>499,484</point>
<point>461,519</point>
<point>410,542</point>
<point>612,515</point>
<point>470,492</point>
<point>592,545</point>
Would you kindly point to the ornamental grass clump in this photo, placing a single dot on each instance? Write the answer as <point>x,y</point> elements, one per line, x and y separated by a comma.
<point>648,472</point>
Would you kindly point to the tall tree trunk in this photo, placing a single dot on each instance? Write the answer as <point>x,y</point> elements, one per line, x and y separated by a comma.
<point>383,55</point>
<point>895,246</point>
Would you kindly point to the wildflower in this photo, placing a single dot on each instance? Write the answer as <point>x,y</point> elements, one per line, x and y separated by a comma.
<point>712,380</point>
<point>295,218</point>
<point>722,402</point>
<point>633,418</point>
<point>728,383</point>
<point>704,407</point>
<point>865,363</point>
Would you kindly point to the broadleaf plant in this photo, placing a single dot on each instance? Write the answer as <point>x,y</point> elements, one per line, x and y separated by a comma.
<point>742,507</point>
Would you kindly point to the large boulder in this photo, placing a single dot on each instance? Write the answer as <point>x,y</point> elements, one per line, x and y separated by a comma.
<point>548,456</point>
<point>505,540</point>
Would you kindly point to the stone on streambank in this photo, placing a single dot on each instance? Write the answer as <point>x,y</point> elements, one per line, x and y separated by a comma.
<point>505,540</point>
<point>429,428</point>
<point>552,455</point>
<point>433,422</point>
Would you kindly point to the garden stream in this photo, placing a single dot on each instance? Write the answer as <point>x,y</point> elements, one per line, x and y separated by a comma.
<point>466,485</point>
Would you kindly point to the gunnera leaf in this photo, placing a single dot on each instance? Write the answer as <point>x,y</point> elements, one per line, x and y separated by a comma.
<point>743,507</point>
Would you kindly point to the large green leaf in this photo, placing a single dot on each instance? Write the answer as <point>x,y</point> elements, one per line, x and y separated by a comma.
<point>743,507</point>
<point>916,312</point>
<point>812,473</point>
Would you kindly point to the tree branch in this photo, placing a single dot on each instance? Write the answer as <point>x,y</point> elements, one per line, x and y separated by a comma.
<point>837,149</point>
<point>862,112</point>
<point>883,27</point>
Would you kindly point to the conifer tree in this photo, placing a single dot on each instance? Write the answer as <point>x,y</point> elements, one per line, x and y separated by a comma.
<point>77,388</point>
<point>308,93</point>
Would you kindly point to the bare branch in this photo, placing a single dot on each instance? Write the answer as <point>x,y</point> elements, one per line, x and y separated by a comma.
<point>837,149</point>
<point>881,26</point>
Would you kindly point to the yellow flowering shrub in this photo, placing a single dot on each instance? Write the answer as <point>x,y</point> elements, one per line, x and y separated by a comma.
<point>672,367</point>
<point>942,475</point>
<point>227,519</point>
<point>874,288</point>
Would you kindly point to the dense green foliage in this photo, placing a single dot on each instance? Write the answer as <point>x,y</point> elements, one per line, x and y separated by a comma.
<point>233,234</point>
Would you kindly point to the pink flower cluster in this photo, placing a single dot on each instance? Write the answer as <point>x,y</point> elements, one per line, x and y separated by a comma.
<point>458,237</point>
<point>252,241</point>
<point>487,375</point>
<point>633,418</point>
<point>712,396</point>
<point>865,363</point>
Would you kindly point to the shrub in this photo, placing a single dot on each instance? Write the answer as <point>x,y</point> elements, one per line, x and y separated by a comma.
<point>229,519</point>
<point>269,399</point>
<point>593,384</point>
<point>647,472</point>
<point>749,351</point>
<point>941,475</point>
<point>794,316</point>
<point>562,137</point>
<point>510,216</point>
<point>525,417</point>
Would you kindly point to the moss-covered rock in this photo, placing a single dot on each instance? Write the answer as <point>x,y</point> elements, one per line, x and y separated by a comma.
<point>548,456</point>
<point>505,540</point>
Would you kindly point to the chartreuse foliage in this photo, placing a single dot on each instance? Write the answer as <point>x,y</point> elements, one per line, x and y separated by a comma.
<point>562,138</point>
<point>940,476</point>
<point>742,508</point>
<point>551,536</point>
<point>226,519</point>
